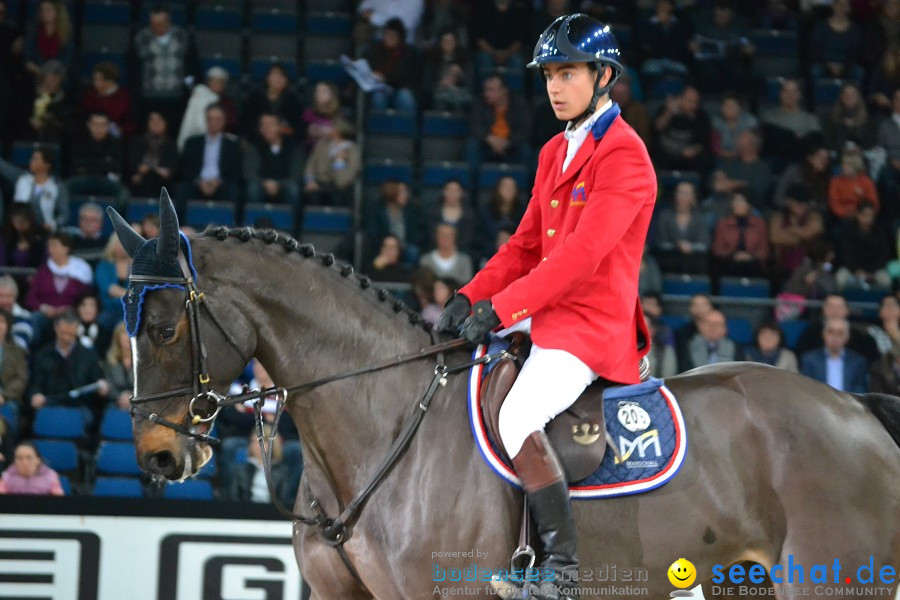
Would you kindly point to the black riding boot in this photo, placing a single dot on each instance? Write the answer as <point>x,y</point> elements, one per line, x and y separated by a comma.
<point>548,496</point>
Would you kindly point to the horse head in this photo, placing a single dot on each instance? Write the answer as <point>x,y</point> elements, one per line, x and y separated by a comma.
<point>173,407</point>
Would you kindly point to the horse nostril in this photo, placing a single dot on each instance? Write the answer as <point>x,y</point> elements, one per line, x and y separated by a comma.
<point>162,463</point>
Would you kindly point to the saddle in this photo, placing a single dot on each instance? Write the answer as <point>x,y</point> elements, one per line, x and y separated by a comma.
<point>578,434</point>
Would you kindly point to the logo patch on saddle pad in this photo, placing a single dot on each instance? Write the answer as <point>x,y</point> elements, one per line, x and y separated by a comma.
<point>643,420</point>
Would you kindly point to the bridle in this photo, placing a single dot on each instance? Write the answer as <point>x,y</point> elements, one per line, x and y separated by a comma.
<point>206,404</point>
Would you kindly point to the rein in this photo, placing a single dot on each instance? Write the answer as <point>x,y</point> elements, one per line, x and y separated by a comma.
<point>205,406</point>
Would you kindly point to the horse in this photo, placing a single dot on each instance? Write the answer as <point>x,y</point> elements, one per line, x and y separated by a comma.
<point>779,467</point>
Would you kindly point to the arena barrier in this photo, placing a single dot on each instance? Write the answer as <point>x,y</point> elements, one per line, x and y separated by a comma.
<point>84,548</point>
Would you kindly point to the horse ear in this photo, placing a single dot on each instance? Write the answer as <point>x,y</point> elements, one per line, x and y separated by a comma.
<point>131,240</point>
<point>169,239</point>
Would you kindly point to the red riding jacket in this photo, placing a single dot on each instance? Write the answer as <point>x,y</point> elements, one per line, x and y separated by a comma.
<point>573,263</point>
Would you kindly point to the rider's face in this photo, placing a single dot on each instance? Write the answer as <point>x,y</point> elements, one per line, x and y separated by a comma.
<point>570,87</point>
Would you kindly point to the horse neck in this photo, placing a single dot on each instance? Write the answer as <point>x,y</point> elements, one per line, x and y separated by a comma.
<point>309,323</point>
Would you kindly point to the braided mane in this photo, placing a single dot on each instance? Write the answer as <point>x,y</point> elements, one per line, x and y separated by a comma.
<point>326,259</point>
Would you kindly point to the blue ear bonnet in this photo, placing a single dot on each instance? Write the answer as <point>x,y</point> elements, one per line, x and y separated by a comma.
<point>149,264</point>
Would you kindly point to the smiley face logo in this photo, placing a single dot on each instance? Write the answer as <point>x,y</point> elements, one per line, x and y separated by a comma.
<point>682,573</point>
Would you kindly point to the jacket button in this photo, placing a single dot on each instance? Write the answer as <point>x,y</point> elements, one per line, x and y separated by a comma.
<point>551,232</point>
<point>554,203</point>
<point>543,259</point>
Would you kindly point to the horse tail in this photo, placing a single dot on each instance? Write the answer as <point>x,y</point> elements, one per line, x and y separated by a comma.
<point>886,409</point>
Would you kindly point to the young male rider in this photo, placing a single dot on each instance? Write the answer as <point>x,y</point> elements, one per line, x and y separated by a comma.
<point>570,273</point>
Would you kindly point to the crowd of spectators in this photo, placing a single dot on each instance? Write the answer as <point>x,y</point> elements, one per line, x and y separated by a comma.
<point>790,176</point>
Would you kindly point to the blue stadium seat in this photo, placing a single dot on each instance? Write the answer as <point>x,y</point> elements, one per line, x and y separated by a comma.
<point>515,80</point>
<point>107,12</point>
<point>623,34</point>
<point>777,53</point>
<point>669,179</point>
<point>686,285</point>
<point>390,134</point>
<point>218,17</point>
<point>436,174</point>
<point>117,458</point>
<point>59,422</point>
<point>219,44</point>
<point>443,136</point>
<point>793,329</point>
<point>774,43</point>
<point>274,46</point>
<point>326,47</point>
<point>390,122</point>
<point>865,294</point>
<point>105,39</point>
<point>259,67</point>
<point>191,489</point>
<point>329,23</point>
<point>388,170</point>
<point>11,416</point>
<point>66,485</point>
<point>743,287</point>
<point>826,91</point>
<point>674,321</point>
<point>116,425</point>
<point>326,219</point>
<point>492,172</point>
<point>201,213</point>
<point>138,207</point>
<point>741,331</point>
<point>327,70</point>
<point>444,124</point>
<point>21,152</point>
<point>281,215</point>
<point>667,86</point>
<point>773,89</point>
<point>60,455</point>
<point>273,20</point>
<point>122,487</point>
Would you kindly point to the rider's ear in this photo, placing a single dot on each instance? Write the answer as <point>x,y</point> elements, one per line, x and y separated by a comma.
<point>130,239</point>
<point>169,239</point>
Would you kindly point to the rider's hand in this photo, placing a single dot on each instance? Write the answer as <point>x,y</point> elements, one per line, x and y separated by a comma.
<point>479,325</point>
<point>455,312</point>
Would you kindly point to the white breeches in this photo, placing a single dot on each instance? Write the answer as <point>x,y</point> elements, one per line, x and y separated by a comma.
<point>550,382</point>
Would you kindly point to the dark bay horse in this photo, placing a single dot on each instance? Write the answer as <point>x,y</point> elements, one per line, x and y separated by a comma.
<point>777,465</point>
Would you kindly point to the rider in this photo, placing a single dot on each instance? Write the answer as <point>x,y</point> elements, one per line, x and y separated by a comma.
<point>569,274</point>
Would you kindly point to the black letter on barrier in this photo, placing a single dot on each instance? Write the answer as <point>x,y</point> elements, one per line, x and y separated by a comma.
<point>212,576</point>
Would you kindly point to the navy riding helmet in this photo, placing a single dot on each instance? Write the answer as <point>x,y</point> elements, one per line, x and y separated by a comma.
<point>580,38</point>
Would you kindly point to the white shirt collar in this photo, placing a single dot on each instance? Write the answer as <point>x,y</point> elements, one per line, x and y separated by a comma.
<point>576,136</point>
<point>579,133</point>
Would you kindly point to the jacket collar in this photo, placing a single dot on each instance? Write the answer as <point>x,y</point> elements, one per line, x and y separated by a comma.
<point>598,130</point>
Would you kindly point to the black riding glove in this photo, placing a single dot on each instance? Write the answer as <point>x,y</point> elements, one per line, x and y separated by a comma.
<point>479,325</point>
<point>455,312</point>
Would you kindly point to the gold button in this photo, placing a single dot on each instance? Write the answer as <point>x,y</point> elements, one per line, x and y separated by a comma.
<point>551,232</point>
<point>554,203</point>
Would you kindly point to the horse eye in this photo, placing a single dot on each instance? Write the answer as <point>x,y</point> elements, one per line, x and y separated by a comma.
<point>166,333</point>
